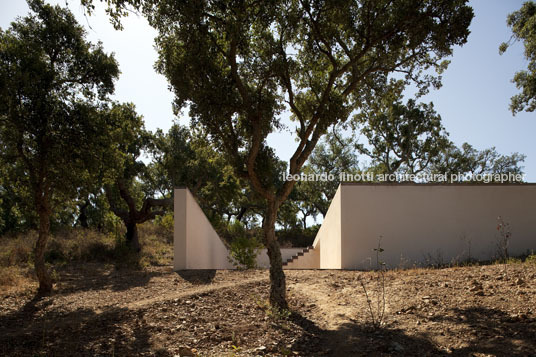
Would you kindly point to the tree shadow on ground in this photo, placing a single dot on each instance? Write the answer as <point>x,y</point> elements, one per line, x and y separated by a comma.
<point>487,332</point>
<point>353,339</point>
<point>36,329</point>
<point>92,276</point>
<point>495,331</point>
<point>197,277</point>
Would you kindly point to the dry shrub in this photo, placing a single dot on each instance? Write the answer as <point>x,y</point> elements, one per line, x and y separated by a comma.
<point>165,226</point>
<point>156,244</point>
<point>15,276</point>
<point>84,245</point>
<point>17,250</point>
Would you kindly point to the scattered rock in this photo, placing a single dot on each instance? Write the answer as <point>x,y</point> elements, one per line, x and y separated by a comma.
<point>186,352</point>
<point>476,287</point>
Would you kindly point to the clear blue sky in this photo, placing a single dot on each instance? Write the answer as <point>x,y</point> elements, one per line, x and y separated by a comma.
<point>473,101</point>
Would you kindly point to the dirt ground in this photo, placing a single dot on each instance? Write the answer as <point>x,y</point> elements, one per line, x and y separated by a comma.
<point>100,311</point>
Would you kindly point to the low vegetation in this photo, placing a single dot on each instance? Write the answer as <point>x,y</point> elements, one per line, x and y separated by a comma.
<point>78,245</point>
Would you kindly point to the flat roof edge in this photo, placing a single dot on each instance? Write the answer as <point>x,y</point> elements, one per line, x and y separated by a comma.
<point>407,183</point>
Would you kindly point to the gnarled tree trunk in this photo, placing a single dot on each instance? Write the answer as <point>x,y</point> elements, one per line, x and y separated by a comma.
<point>44,212</point>
<point>82,218</point>
<point>278,287</point>
<point>132,237</point>
<point>132,216</point>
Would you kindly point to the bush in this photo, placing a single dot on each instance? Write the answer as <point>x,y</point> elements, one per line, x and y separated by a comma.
<point>531,258</point>
<point>244,248</point>
<point>156,243</point>
<point>166,224</point>
<point>17,250</point>
<point>297,236</point>
<point>75,245</point>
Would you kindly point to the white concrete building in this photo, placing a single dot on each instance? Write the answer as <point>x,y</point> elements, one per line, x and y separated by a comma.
<point>418,224</point>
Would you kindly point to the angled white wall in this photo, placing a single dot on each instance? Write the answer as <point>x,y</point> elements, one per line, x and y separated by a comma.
<point>419,224</point>
<point>328,238</point>
<point>196,243</point>
<point>423,223</point>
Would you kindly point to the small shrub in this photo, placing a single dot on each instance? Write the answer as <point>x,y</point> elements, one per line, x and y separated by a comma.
<point>505,234</point>
<point>531,258</point>
<point>377,309</point>
<point>243,249</point>
<point>14,276</point>
<point>297,236</point>
<point>503,242</point>
<point>166,225</point>
<point>273,312</point>
<point>512,260</point>
<point>156,244</point>
<point>243,252</point>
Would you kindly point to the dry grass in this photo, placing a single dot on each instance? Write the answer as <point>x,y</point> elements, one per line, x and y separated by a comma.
<point>82,245</point>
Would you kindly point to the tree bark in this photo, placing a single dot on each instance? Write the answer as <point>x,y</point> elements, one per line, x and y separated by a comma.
<point>132,236</point>
<point>241,214</point>
<point>278,288</point>
<point>133,216</point>
<point>45,281</point>
<point>82,218</point>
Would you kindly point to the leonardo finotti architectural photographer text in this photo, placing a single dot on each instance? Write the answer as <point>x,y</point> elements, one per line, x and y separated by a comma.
<point>420,178</point>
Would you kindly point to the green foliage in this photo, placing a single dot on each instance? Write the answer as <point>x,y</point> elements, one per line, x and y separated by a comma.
<point>188,159</point>
<point>298,236</point>
<point>244,248</point>
<point>531,258</point>
<point>50,80</point>
<point>400,137</point>
<point>167,224</point>
<point>468,160</point>
<point>16,213</point>
<point>334,155</point>
<point>129,199</point>
<point>523,25</point>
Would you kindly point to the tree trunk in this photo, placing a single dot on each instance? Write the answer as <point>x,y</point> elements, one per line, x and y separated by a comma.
<point>132,237</point>
<point>82,218</point>
<point>45,281</point>
<point>277,276</point>
<point>241,214</point>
